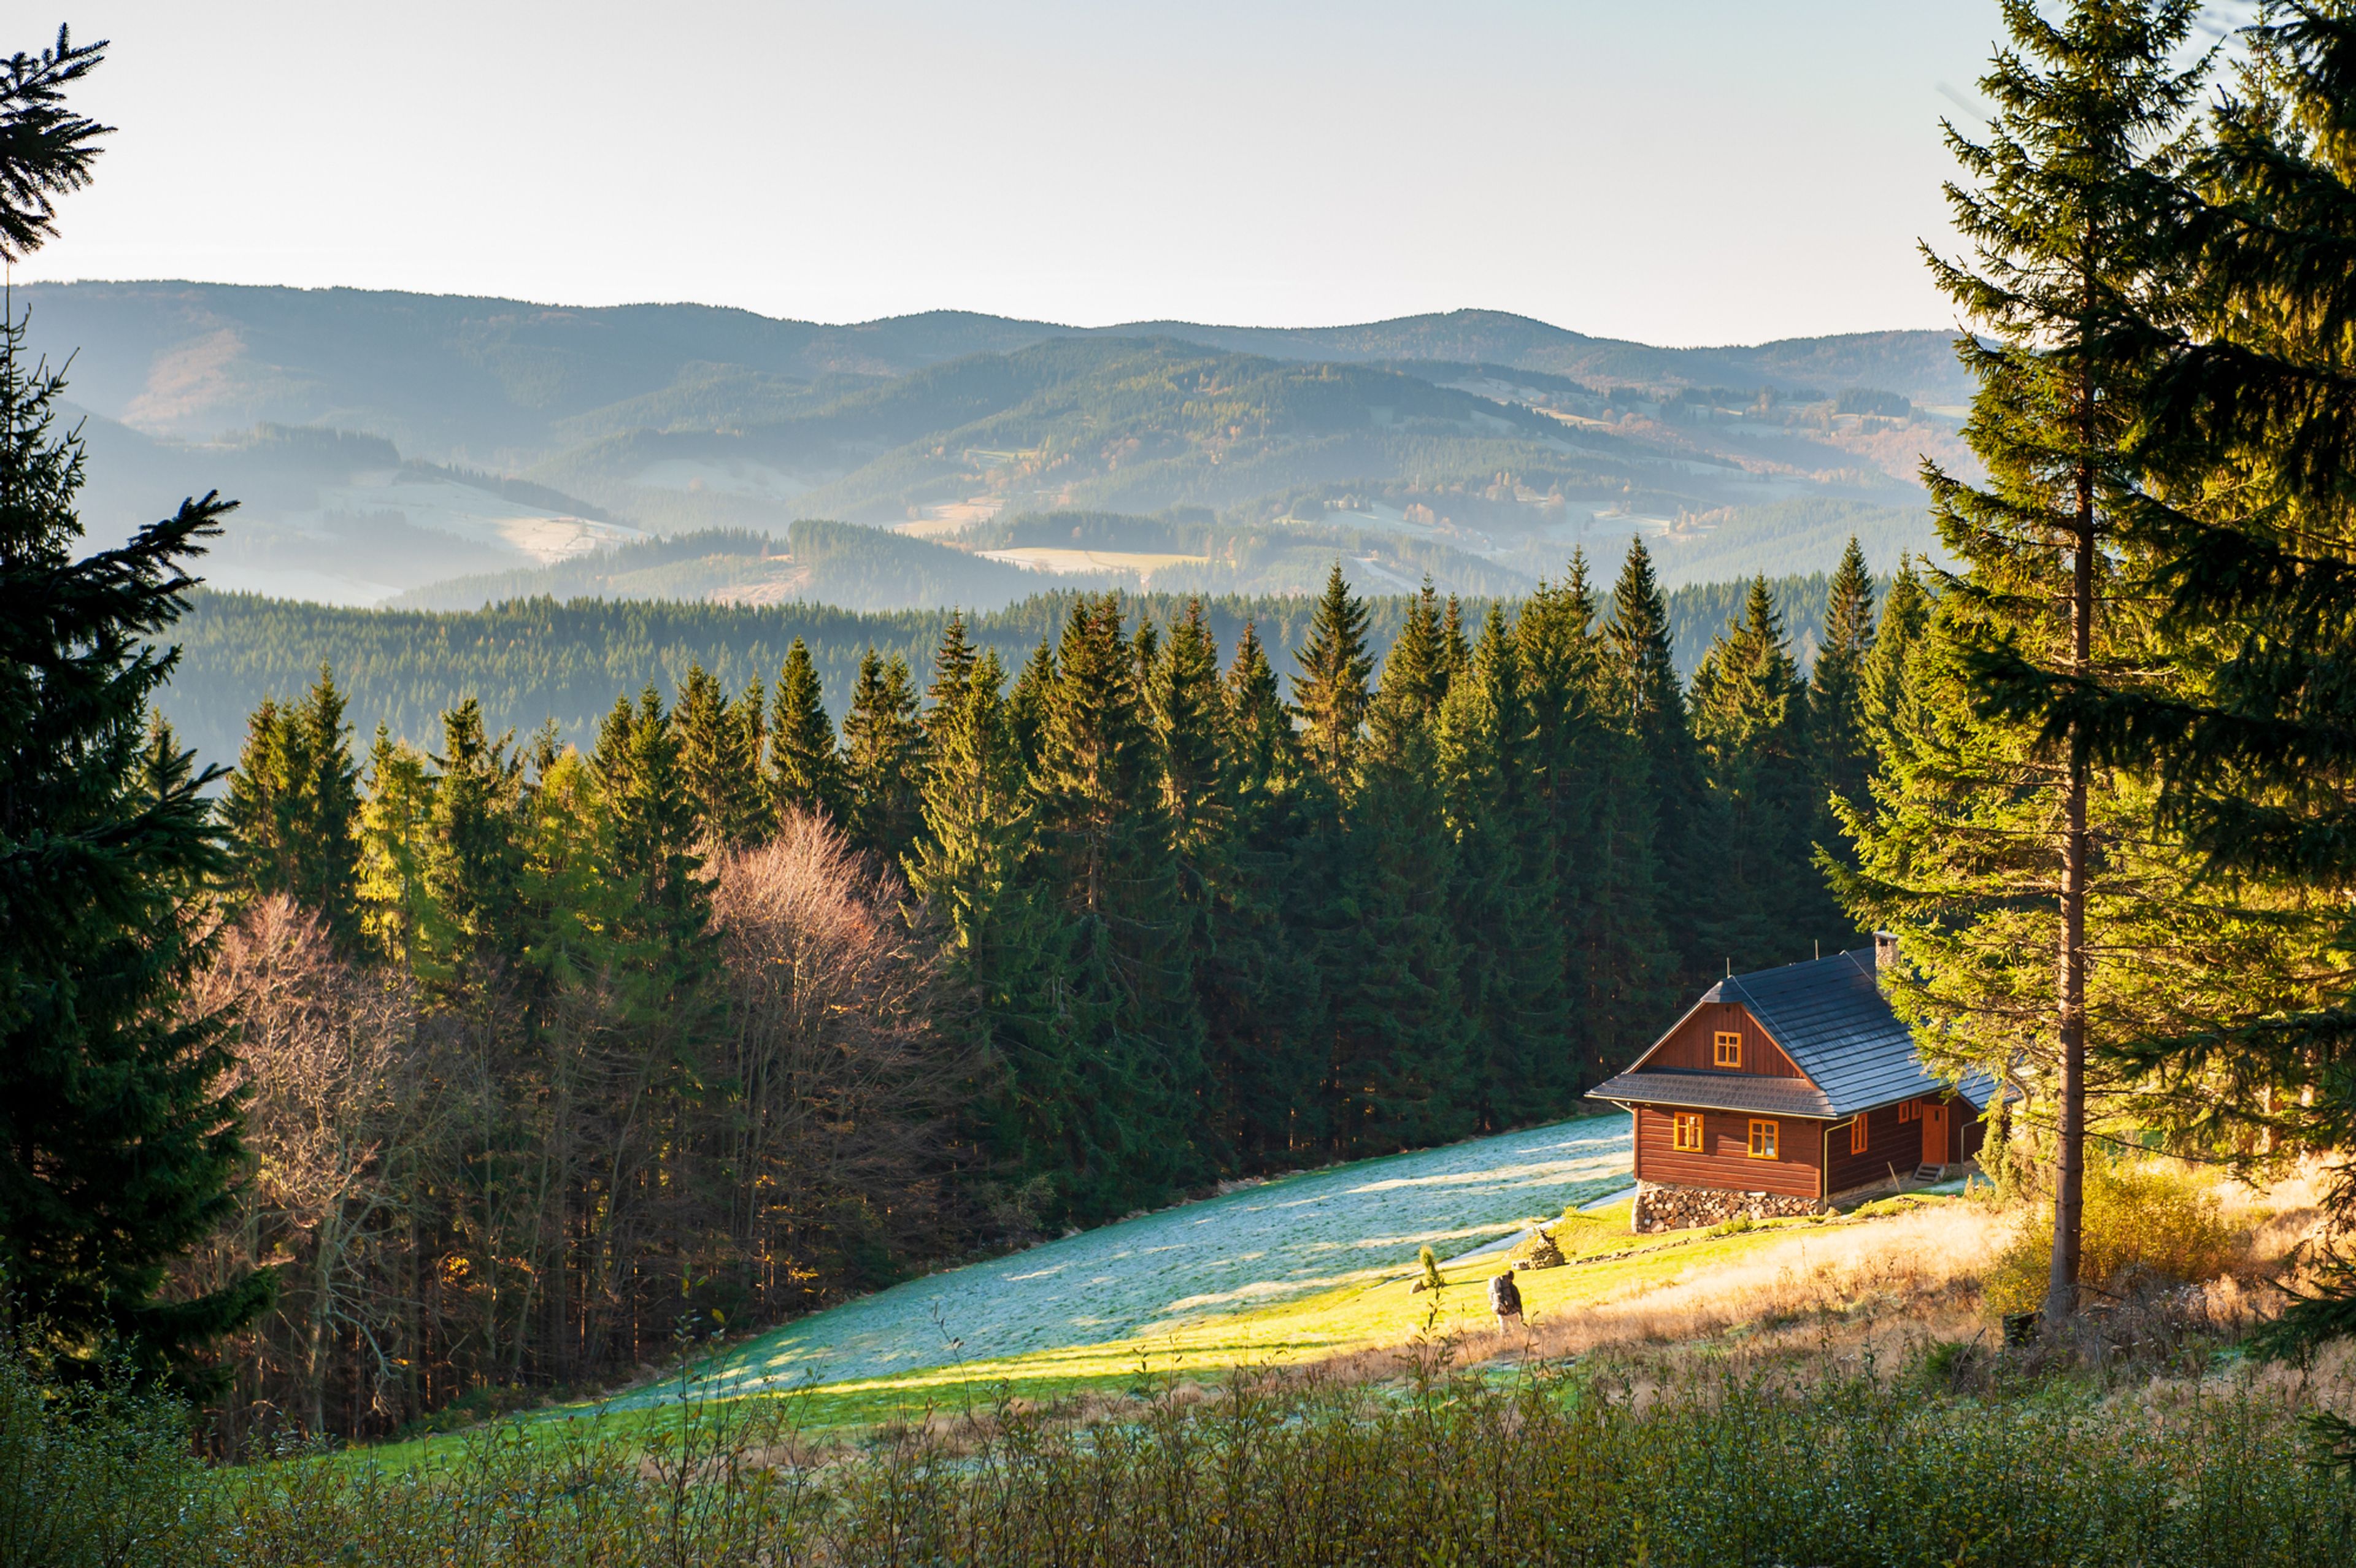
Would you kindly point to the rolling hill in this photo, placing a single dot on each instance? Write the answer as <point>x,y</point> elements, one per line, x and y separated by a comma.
<point>1491,444</point>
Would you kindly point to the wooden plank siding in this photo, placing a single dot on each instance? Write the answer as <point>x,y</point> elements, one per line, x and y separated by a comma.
<point>1690,1044</point>
<point>1895,1146</point>
<point>1725,1159</point>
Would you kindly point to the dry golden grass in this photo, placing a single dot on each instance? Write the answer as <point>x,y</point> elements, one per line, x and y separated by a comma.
<point>1883,1290</point>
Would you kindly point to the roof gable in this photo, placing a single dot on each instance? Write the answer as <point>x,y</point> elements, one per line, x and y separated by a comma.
<point>1829,1017</point>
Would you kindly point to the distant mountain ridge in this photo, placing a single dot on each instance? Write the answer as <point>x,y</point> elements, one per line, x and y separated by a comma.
<point>434,448</point>
<point>458,376</point>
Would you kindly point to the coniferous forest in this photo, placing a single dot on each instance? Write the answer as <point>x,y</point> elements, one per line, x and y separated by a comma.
<point>742,1010</point>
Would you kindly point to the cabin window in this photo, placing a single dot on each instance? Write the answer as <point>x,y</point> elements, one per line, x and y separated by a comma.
<point>1729,1049</point>
<point>1763,1140</point>
<point>1857,1134</point>
<point>1685,1131</point>
<point>1907,1110</point>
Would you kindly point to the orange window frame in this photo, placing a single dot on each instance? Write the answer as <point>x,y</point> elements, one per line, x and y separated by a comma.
<point>1726,1048</point>
<point>1857,1134</point>
<point>1908,1111</point>
<point>1764,1140</point>
<point>1685,1131</point>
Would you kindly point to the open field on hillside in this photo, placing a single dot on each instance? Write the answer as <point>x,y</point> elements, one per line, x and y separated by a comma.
<point>1271,1271</point>
<point>1040,558</point>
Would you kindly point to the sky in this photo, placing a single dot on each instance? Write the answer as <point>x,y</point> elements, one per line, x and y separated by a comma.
<point>1678,171</point>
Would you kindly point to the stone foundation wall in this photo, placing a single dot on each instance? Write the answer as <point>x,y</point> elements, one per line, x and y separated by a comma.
<point>1660,1208</point>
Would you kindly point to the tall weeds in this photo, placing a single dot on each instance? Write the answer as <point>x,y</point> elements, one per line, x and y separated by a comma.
<point>1450,1467</point>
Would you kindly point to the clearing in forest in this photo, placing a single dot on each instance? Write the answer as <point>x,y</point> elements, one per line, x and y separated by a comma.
<point>1266,1272</point>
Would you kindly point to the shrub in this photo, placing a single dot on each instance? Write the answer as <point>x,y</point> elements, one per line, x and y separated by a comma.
<point>2144,1226</point>
<point>91,1475</point>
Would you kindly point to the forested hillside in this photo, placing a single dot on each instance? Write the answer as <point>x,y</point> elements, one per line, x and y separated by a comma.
<point>535,661</point>
<point>735,1007</point>
<point>560,434</point>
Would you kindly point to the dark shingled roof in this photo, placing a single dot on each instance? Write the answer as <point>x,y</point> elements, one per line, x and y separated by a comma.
<point>1754,1092</point>
<point>1832,1020</point>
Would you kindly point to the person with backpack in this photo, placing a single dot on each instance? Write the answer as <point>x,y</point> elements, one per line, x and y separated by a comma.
<point>1505,1301</point>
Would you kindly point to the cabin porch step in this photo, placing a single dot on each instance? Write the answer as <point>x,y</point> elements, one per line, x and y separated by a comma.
<point>1929,1173</point>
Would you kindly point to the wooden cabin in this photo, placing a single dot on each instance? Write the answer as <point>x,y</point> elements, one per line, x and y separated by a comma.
<point>1782,1091</point>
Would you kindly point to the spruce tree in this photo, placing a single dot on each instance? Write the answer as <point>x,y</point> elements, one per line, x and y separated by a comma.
<point>1257,979</point>
<point>1331,694</point>
<point>804,772</point>
<point>469,930</point>
<point>651,826</point>
<point>1425,655</point>
<point>720,760</point>
<point>1183,691</point>
<point>1026,708</point>
<point>977,814</point>
<point>1750,718</point>
<point>392,830</point>
<point>292,808</point>
<point>1644,701</point>
<point>2253,743</point>
<point>2077,254</point>
<point>1883,697</point>
<point>1837,734</point>
<point>118,1133</point>
<point>1108,859</point>
<point>1005,947</point>
<point>1400,1064</point>
<point>882,748</point>
<point>1456,652</point>
<point>1505,886</point>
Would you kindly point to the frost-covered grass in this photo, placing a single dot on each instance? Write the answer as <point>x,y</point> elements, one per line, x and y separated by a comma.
<point>1275,1271</point>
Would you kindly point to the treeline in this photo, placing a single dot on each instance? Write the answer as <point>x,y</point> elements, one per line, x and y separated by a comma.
<point>740,1010</point>
<point>535,661</point>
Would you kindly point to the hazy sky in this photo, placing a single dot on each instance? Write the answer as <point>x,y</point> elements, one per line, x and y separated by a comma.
<point>1678,171</point>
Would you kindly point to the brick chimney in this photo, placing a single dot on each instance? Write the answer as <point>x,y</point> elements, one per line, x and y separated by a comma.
<point>1885,949</point>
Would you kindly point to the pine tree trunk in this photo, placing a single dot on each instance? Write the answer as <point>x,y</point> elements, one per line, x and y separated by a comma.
<point>2069,1186</point>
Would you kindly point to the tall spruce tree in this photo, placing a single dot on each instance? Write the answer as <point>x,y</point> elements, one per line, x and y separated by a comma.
<point>1391,964</point>
<point>469,930</point>
<point>1258,980</point>
<point>1883,700</point>
<point>2078,250</point>
<point>1647,703</point>
<point>118,1135</point>
<point>1331,694</point>
<point>1506,878</point>
<point>882,749</point>
<point>804,772</point>
<point>1005,942</point>
<point>1600,824</point>
<point>1026,706</point>
<point>720,760</point>
<point>398,804</point>
<point>1425,655</point>
<point>1750,719</point>
<point>1108,859</point>
<point>1837,733</point>
<point>293,808</point>
<point>652,823</point>
<point>2254,742</point>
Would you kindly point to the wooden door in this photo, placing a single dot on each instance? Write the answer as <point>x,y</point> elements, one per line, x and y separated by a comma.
<point>1934,1133</point>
